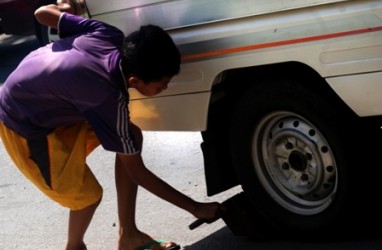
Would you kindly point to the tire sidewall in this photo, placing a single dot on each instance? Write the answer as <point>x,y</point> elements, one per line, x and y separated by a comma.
<point>260,101</point>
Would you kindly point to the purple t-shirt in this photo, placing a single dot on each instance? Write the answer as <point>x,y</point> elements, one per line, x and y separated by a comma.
<point>75,79</point>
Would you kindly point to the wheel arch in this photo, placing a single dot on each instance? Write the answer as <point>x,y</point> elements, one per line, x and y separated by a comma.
<point>230,85</point>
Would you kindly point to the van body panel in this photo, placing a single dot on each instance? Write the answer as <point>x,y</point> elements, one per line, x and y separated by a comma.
<point>335,38</point>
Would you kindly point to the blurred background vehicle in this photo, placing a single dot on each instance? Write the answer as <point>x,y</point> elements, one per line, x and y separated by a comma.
<point>17,18</point>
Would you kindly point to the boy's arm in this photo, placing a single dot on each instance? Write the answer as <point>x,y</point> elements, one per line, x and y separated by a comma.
<point>138,173</point>
<point>49,15</point>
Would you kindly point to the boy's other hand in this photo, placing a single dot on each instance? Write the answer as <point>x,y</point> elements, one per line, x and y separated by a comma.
<point>67,6</point>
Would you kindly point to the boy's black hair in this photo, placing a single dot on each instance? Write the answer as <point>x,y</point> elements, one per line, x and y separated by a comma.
<point>150,54</point>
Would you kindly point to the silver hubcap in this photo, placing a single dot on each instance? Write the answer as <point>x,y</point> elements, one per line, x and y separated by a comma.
<point>294,163</point>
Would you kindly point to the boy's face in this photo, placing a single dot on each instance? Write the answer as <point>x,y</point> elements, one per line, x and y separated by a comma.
<point>150,88</point>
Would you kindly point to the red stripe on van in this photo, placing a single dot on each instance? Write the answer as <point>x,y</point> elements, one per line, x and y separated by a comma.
<point>278,43</point>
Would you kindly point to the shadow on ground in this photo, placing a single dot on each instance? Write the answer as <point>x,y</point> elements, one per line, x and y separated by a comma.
<point>224,240</point>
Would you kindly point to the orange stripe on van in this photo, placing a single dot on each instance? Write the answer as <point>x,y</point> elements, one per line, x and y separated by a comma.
<point>278,43</point>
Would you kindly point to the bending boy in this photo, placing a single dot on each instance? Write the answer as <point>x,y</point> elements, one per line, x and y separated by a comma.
<point>66,98</point>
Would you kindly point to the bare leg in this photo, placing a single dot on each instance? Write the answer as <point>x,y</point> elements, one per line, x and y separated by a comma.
<point>129,235</point>
<point>79,221</point>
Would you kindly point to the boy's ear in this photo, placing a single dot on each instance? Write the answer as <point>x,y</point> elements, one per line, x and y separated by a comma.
<point>134,81</point>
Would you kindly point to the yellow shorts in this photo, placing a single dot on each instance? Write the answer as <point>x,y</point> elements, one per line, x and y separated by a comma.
<point>56,163</point>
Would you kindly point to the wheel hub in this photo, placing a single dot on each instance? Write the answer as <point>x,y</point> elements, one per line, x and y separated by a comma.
<point>297,161</point>
<point>294,163</point>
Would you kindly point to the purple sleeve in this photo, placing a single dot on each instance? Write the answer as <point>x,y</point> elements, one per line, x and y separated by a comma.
<point>70,25</point>
<point>111,123</point>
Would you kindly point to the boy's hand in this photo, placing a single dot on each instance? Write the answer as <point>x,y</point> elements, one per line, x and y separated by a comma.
<point>67,6</point>
<point>207,213</point>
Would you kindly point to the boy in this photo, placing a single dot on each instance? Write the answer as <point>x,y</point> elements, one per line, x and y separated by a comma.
<point>65,99</point>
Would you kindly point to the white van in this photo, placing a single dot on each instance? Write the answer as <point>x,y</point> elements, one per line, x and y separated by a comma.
<point>286,94</point>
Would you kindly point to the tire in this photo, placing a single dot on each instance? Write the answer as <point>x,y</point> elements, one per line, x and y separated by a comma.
<point>290,154</point>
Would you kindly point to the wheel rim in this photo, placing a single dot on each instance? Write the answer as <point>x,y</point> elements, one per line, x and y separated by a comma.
<point>294,163</point>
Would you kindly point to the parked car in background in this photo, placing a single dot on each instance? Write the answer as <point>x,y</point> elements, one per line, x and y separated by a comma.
<point>17,18</point>
<point>286,94</point>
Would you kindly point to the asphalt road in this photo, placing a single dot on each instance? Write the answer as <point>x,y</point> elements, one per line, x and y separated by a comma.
<point>30,221</point>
